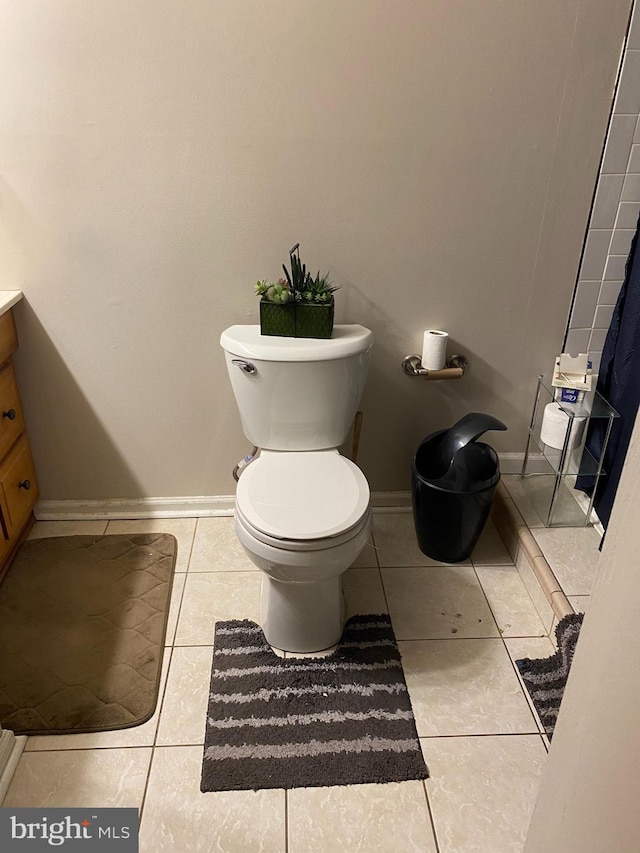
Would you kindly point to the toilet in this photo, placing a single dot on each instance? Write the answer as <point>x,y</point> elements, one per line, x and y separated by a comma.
<point>302,509</point>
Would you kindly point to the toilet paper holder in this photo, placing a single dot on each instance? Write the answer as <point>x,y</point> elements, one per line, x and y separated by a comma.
<point>454,368</point>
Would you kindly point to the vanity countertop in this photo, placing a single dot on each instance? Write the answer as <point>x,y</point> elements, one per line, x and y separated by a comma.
<point>8,299</point>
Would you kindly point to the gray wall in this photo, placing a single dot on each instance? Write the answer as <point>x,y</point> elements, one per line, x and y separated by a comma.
<point>615,213</point>
<point>158,157</point>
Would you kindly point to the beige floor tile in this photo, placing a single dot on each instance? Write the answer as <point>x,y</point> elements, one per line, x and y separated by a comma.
<point>482,791</point>
<point>143,735</point>
<point>174,607</point>
<point>464,687</point>
<point>510,602</point>
<point>534,648</point>
<point>371,818</point>
<point>579,602</point>
<point>214,596</point>
<point>177,817</point>
<point>520,496</point>
<point>67,528</point>
<point>490,550</point>
<point>182,528</point>
<point>184,709</point>
<point>80,778</point>
<point>363,592</point>
<point>529,647</point>
<point>572,553</point>
<point>216,547</point>
<point>395,538</point>
<point>437,601</point>
<point>570,505</point>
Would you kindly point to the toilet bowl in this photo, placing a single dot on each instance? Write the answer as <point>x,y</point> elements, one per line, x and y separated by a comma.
<point>302,519</point>
<point>302,510</point>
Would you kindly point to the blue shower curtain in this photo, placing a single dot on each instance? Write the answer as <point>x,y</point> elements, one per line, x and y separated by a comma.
<point>619,383</point>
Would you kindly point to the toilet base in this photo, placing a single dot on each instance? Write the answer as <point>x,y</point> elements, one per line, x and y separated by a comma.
<point>302,617</point>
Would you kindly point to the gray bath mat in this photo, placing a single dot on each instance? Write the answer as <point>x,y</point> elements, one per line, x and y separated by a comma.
<point>545,678</point>
<point>308,722</point>
<point>82,627</point>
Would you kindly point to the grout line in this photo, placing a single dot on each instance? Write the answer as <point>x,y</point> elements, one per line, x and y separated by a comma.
<point>484,734</point>
<point>430,813</point>
<point>286,820</point>
<point>534,713</point>
<point>62,751</point>
<point>155,734</point>
<point>192,545</point>
<point>454,639</point>
<point>504,645</point>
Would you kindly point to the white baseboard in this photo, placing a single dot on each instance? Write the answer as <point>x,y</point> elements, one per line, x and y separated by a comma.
<point>11,748</point>
<point>198,506</point>
<point>511,463</point>
<point>390,500</point>
<point>202,506</point>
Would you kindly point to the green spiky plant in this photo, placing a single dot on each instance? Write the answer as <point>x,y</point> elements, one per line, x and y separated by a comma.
<point>318,290</point>
<point>299,285</point>
<point>297,279</point>
<point>298,305</point>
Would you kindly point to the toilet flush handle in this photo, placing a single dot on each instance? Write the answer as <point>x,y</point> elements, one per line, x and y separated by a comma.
<point>245,365</point>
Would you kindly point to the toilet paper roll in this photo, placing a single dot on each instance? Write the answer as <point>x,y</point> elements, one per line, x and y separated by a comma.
<point>555,423</point>
<point>434,349</point>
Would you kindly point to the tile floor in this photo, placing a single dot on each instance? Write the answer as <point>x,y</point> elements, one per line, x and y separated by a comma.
<point>459,630</point>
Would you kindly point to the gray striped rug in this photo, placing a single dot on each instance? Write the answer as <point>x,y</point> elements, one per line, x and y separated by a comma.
<point>545,678</point>
<point>306,722</point>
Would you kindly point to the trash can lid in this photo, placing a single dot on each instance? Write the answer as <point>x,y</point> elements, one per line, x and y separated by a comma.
<point>462,434</point>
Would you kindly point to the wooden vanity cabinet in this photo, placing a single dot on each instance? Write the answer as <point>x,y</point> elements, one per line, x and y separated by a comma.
<point>18,484</point>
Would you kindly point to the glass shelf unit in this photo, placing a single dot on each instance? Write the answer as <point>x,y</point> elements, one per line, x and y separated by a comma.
<point>549,474</point>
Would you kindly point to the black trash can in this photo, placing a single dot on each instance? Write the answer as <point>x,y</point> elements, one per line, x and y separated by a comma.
<point>454,479</point>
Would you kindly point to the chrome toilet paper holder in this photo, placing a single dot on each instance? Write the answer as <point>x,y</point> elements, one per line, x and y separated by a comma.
<point>454,369</point>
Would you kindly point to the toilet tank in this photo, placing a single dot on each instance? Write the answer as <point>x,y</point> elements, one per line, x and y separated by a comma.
<point>297,393</point>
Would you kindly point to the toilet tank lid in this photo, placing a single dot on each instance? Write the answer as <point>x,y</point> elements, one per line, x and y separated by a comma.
<point>246,341</point>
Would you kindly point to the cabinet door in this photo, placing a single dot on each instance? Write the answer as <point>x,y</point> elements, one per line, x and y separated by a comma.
<point>8,336</point>
<point>18,487</point>
<point>11,419</point>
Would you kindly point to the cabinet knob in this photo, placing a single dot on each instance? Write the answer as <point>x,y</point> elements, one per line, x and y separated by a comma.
<point>10,413</point>
<point>25,484</point>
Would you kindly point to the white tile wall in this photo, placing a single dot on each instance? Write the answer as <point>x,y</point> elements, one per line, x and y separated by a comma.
<point>615,212</point>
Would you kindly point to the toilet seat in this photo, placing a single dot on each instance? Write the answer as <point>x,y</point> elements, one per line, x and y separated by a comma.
<point>308,500</point>
<point>304,544</point>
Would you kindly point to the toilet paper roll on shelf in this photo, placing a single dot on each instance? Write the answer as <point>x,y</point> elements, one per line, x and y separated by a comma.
<point>434,349</point>
<point>553,431</point>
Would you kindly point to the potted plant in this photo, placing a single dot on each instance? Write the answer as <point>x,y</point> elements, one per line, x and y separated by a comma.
<point>298,305</point>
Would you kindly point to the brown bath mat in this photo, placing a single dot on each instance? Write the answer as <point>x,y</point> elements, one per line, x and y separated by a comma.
<point>82,627</point>
<point>344,719</point>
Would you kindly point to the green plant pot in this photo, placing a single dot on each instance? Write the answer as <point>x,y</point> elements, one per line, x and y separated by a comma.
<point>277,319</point>
<point>314,321</point>
<point>296,320</point>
